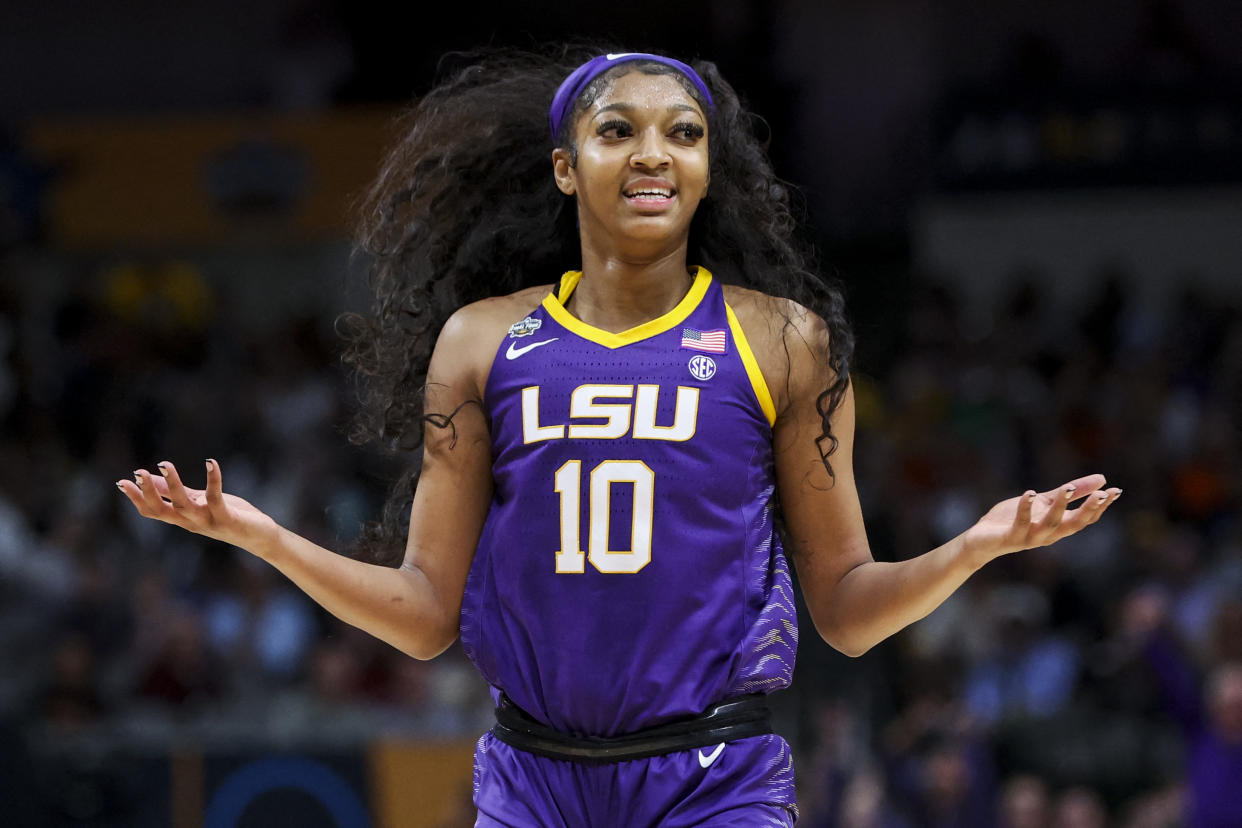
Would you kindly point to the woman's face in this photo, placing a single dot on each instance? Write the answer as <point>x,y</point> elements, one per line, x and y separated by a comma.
<point>642,161</point>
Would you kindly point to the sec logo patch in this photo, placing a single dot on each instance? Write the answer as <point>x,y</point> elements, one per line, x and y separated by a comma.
<point>702,367</point>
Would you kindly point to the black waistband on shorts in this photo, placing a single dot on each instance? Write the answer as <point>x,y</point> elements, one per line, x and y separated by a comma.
<point>726,721</point>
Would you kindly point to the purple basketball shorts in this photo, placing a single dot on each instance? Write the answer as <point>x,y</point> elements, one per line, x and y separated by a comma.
<point>748,783</point>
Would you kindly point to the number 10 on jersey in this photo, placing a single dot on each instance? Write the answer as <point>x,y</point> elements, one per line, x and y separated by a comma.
<point>570,557</point>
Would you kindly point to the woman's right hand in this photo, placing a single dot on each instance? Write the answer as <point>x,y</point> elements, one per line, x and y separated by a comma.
<point>208,512</point>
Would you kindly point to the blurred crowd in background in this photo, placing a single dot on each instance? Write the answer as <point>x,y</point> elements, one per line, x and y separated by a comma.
<point>1098,681</point>
<point>131,622</point>
<point>1094,683</point>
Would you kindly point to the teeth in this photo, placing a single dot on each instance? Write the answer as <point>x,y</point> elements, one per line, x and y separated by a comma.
<point>658,193</point>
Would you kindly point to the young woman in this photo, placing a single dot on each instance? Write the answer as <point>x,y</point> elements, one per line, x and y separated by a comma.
<point>602,457</point>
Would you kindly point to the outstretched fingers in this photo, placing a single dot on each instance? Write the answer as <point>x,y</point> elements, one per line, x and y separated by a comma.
<point>178,495</point>
<point>1060,521</point>
<point>1086,484</point>
<point>165,497</point>
<point>1093,507</point>
<point>1059,500</point>
<point>147,493</point>
<point>1039,518</point>
<point>1022,520</point>
<point>215,490</point>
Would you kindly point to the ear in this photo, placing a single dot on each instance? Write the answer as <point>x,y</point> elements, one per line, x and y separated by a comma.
<point>563,172</point>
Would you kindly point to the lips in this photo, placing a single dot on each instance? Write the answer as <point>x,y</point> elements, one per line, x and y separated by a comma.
<point>650,193</point>
<point>649,189</point>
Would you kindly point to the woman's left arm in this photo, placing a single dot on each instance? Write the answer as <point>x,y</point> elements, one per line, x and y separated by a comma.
<point>855,601</point>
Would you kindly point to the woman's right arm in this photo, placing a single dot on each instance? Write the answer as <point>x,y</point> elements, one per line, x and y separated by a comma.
<point>416,607</point>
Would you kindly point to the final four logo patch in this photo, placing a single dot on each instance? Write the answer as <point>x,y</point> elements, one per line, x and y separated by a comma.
<point>524,328</point>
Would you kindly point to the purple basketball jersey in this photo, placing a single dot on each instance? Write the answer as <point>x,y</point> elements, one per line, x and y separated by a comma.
<point>629,572</point>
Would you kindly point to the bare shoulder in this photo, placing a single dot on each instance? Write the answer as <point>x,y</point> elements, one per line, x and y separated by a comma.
<point>470,337</point>
<point>773,316</point>
<point>789,340</point>
<point>495,310</point>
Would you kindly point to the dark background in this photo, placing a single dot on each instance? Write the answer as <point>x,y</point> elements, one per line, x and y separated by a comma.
<point>1035,211</point>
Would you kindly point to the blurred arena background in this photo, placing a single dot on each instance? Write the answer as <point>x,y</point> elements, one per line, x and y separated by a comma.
<point>1036,210</point>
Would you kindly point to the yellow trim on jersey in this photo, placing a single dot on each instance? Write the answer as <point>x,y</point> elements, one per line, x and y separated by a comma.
<point>568,282</point>
<point>757,381</point>
<point>554,304</point>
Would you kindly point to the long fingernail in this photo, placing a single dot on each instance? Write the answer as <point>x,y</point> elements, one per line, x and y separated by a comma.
<point>163,467</point>
<point>119,486</point>
<point>210,463</point>
<point>1069,490</point>
<point>138,479</point>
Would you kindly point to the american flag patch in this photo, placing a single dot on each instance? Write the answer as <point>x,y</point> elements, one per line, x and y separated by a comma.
<point>711,341</point>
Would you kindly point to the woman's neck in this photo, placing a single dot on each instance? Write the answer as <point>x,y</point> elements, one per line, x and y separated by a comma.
<point>615,295</point>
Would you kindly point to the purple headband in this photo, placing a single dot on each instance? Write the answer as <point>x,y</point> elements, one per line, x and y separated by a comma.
<point>571,88</point>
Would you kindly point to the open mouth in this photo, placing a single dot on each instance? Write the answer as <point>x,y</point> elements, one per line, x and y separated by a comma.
<point>651,196</point>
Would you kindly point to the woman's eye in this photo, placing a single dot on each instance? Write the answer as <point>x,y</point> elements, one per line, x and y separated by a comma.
<point>621,129</point>
<point>614,129</point>
<point>688,132</point>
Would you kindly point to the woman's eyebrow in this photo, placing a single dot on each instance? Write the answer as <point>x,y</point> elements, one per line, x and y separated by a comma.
<point>613,107</point>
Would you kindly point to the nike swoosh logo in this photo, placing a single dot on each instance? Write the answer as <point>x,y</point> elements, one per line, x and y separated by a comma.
<point>514,352</point>
<point>705,760</point>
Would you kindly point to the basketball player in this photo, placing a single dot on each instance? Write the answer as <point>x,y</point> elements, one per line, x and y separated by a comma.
<point>604,454</point>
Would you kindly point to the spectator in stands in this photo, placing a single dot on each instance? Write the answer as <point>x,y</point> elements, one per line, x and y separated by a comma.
<point>1023,802</point>
<point>1030,672</point>
<point>1209,714</point>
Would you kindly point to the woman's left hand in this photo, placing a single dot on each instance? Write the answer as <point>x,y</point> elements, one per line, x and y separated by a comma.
<point>1038,518</point>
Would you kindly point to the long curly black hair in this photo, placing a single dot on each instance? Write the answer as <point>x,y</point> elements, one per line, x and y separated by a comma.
<point>465,207</point>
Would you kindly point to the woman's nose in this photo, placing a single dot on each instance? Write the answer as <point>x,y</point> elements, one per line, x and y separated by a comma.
<point>650,151</point>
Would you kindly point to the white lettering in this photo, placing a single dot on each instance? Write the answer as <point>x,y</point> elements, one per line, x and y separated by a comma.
<point>532,432</point>
<point>685,419</point>
<point>583,405</point>
<point>618,415</point>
